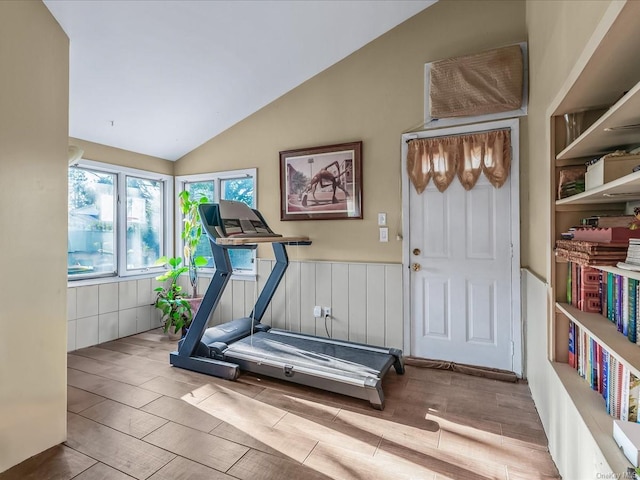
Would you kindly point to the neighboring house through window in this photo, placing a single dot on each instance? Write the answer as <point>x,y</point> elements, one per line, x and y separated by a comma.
<point>119,219</point>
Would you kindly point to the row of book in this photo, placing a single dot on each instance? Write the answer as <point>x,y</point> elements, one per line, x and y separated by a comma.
<point>614,296</point>
<point>591,253</point>
<point>618,385</point>
<point>632,261</point>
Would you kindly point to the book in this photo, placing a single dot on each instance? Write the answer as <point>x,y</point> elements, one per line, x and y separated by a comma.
<point>605,378</point>
<point>610,284</point>
<point>603,292</point>
<point>612,385</point>
<point>569,282</point>
<point>624,392</point>
<point>618,395</point>
<point>632,298</point>
<point>572,346</point>
<point>589,289</point>
<point>625,306</point>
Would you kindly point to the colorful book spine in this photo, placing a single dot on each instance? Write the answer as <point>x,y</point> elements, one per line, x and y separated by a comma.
<point>589,289</point>
<point>619,386</point>
<point>633,308</point>
<point>619,290</point>
<point>599,368</point>
<point>611,401</point>
<point>572,345</point>
<point>637,313</point>
<point>610,286</point>
<point>625,306</point>
<point>569,282</point>
<point>603,292</point>
<point>605,378</point>
<point>624,392</point>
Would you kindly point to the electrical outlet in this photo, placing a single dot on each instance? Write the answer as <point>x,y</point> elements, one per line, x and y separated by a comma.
<point>317,311</point>
<point>327,311</point>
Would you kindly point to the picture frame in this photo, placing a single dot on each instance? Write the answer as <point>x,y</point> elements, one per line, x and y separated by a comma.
<point>321,183</point>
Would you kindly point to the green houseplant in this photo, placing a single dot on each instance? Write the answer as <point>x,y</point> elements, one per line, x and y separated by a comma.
<point>191,235</point>
<point>170,299</point>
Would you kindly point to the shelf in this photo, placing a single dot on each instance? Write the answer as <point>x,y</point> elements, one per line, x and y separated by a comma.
<point>622,189</point>
<point>619,271</point>
<point>591,407</point>
<point>597,141</point>
<point>606,334</point>
<point>608,65</point>
<point>617,207</point>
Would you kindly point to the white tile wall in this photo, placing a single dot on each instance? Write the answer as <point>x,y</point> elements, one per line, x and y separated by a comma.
<point>71,305</point>
<point>366,302</point>
<point>127,322</point>
<point>86,301</point>
<point>107,327</point>
<point>128,292</point>
<point>143,318</point>
<point>107,298</point>
<point>145,292</point>
<point>71,335</point>
<point>87,331</point>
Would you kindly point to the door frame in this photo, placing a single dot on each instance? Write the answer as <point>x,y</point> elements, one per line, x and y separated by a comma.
<point>514,181</point>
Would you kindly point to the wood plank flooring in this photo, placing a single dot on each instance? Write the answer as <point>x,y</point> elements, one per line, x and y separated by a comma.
<point>132,415</point>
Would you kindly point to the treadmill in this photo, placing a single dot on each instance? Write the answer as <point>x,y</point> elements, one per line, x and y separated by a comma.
<point>338,366</point>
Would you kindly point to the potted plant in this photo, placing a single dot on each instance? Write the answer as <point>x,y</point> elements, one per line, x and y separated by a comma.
<point>170,299</point>
<point>191,235</point>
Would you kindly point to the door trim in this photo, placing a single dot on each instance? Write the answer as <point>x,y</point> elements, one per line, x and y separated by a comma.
<point>514,181</point>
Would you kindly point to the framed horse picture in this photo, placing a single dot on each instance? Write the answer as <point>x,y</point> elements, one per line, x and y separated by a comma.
<point>321,183</point>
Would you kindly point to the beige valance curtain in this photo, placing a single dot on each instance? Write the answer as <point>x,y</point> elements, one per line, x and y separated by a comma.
<point>442,158</point>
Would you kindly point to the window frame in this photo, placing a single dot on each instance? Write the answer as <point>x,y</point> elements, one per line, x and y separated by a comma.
<point>217,178</point>
<point>121,173</point>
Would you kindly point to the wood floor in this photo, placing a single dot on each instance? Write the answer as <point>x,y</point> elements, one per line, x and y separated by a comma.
<point>132,415</point>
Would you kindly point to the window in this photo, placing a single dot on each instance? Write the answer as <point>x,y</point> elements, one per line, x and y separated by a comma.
<point>118,220</point>
<point>145,226</point>
<point>91,244</point>
<point>237,185</point>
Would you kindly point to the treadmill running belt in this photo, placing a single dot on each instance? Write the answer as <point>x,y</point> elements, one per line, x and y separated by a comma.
<point>318,355</point>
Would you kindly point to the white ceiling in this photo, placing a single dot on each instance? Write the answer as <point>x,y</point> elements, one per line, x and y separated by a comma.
<point>163,77</point>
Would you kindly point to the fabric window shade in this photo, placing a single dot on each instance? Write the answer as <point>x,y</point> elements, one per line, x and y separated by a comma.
<point>484,83</point>
<point>464,156</point>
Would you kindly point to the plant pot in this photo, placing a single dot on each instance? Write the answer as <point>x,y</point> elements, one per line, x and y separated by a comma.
<point>173,336</point>
<point>195,304</point>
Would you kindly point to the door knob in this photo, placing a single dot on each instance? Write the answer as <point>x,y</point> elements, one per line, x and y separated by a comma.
<point>416,267</point>
<point>416,251</point>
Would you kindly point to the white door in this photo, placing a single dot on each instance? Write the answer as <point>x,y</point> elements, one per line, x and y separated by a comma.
<point>462,294</point>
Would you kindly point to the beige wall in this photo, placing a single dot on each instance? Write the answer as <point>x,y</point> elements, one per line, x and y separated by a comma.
<point>125,158</point>
<point>34,101</point>
<point>374,95</point>
<point>557,33</point>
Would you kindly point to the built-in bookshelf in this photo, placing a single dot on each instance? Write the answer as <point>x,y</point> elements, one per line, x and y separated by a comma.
<point>606,79</point>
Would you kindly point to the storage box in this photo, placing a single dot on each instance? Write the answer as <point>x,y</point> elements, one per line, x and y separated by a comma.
<point>605,235</point>
<point>608,168</point>
<point>627,437</point>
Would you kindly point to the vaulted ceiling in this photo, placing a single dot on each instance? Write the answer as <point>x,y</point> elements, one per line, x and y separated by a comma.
<point>163,77</point>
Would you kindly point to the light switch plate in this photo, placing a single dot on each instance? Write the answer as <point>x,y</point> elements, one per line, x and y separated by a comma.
<point>384,234</point>
<point>382,219</point>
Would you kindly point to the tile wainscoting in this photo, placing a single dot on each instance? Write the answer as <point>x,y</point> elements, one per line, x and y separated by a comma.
<point>365,301</point>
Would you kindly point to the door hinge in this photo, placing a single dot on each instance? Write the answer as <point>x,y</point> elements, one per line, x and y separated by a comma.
<point>513,348</point>
<point>512,250</point>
